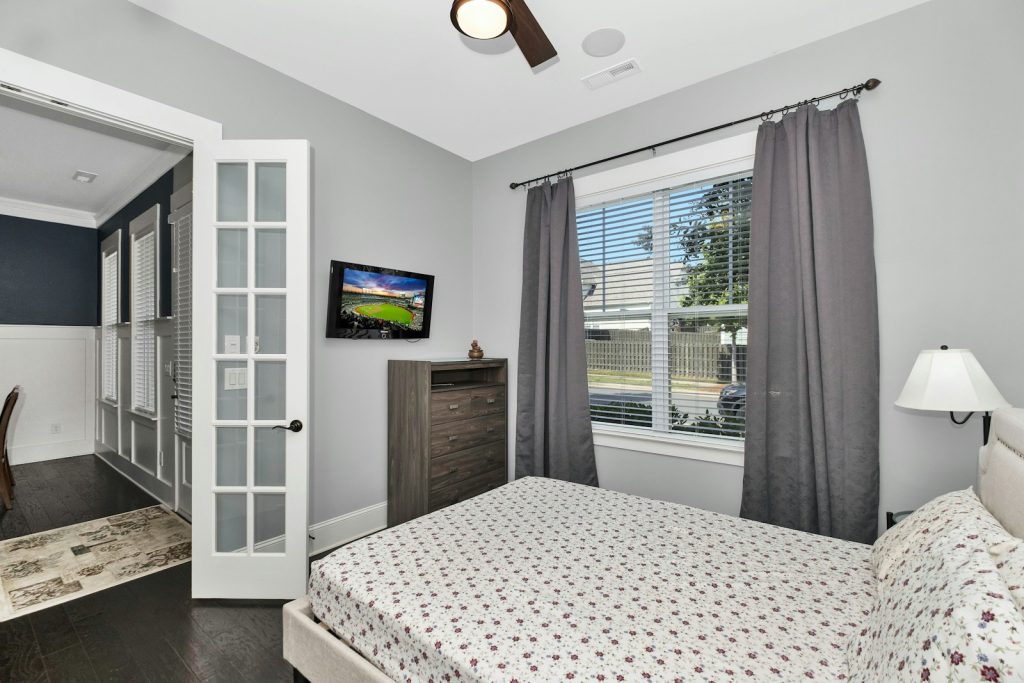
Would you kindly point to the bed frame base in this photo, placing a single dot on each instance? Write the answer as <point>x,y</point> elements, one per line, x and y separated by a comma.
<point>317,655</point>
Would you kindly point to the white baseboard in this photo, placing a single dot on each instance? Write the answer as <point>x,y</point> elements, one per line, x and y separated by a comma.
<point>22,455</point>
<point>331,533</point>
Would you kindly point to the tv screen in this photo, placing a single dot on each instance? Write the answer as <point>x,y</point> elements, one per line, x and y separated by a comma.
<point>367,302</point>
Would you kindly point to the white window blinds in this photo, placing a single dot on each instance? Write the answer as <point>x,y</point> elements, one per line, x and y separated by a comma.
<point>183,324</point>
<point>144,310</point>
<point>108,319</point>
<point>665,306</point>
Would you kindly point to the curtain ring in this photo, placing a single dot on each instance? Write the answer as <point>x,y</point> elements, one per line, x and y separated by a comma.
<point>766,116</point>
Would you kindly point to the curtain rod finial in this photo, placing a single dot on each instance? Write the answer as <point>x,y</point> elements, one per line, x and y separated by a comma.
<point>513,186</point>
<point>872,83</point>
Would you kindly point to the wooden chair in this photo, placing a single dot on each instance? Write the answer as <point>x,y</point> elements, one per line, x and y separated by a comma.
<point>6,477</point>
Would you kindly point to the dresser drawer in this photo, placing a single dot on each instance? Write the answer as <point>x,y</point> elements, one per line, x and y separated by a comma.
<point>466,489</point>
<point>456,436</point>
<point>454,467</point>
<point>446,406</point>
<point>488,401</point>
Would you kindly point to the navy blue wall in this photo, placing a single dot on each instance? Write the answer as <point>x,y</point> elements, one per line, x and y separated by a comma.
<point>157,193</point>
<point>49,273</point>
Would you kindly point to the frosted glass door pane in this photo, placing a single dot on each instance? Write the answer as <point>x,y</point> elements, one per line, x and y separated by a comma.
<point>269,389</point>
<point>269,456</point>
<point>270,192</point>
<point>231,525</point>
<point>232,258</point>
<point>232,192</point>
<point>270,253</point>
<point>231,449</point>
<point>232,390</point>
<point>268,511</point>
<point>232,321</point>
<point>270,324</point>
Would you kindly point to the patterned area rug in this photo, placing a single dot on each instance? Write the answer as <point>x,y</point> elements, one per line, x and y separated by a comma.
<point>52,567</point>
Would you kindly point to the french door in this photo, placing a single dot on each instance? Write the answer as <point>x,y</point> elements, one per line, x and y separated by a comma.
<point>250,369</point>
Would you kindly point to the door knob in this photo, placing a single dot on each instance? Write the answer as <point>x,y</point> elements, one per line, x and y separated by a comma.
<point>293,426</point>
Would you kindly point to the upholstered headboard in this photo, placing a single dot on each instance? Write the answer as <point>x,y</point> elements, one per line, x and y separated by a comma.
<point>1001,470</point>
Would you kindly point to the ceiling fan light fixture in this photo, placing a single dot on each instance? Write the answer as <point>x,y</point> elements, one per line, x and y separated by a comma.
<point>482,19</point>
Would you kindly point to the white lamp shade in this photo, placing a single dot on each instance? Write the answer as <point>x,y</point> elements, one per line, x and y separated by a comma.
<point>949,380</point>
<point>481,19</point>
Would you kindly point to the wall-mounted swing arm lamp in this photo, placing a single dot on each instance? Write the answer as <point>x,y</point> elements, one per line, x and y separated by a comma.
<point>953,381</point>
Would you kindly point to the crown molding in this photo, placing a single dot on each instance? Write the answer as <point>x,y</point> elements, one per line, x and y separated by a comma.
<point>47,212</point>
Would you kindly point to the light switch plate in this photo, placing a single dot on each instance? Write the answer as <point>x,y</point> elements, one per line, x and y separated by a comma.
<point>232,343</point>
<point>234,379</point>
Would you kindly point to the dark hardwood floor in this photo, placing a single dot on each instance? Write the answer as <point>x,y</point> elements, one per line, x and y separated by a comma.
<point>56,493</point>
<point>148,629</point>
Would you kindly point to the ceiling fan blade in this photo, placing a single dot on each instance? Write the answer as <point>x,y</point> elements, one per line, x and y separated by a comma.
<point>529,36</point>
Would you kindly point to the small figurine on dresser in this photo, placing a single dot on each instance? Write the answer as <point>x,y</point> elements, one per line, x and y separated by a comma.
<point>475,352</point>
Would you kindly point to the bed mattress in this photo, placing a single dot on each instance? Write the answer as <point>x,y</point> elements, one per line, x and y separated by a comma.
<point>542,580</point>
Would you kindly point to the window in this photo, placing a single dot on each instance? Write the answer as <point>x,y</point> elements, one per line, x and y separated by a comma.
<point>110,274</point>
<point>182,219</point>
<point>144,309</point>
<point>665,281</point>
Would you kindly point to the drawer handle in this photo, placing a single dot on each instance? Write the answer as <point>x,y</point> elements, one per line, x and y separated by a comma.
<point>491,400</point>
<point>453,437</point>
<point>490,429</point>
<point>453,470</point>
<point>453,406</point>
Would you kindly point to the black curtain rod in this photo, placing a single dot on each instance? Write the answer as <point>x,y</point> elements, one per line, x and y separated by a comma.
<point>869,84</point>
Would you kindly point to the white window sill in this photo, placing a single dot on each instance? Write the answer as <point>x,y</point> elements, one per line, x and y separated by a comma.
<point>141,414</point>
<point>692,447</point>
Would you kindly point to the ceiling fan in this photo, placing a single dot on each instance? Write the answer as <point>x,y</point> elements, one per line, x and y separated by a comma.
<point>488,19</point>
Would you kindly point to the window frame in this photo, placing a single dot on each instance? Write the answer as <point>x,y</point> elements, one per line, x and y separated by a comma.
<point>110,247</point>
<point>147,223</point>
<point>729,156</point>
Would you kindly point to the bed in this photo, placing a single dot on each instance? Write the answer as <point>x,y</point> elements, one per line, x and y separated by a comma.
<point>541,580</point>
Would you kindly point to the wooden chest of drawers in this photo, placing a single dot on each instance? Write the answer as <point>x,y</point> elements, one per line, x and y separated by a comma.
<point>447,428</point>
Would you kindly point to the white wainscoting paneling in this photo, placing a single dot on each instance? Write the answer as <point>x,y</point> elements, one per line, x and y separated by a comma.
<point>56,368</point>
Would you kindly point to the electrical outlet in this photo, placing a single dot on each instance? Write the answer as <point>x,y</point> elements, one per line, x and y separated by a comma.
<point>55,428</point>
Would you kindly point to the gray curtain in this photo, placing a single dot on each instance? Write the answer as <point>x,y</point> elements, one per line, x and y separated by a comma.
<point>811,459</point>
<point>553,435</point>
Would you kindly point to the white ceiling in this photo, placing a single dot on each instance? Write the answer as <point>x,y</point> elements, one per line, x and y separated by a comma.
<point>402,61</point>
<point>41,148</point>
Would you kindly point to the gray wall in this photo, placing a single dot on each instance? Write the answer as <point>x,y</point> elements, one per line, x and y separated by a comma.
<point>945,149</point>
<point>380,196</point>
<point>48,273</point>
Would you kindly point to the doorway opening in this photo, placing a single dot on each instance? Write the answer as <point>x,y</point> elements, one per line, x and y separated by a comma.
<point>250,325</point>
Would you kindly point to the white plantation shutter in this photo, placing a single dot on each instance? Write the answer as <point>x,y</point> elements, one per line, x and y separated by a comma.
<point>108,319</point>
<point>183,324</point>
<point>144,313</point>
<point>665,280</point>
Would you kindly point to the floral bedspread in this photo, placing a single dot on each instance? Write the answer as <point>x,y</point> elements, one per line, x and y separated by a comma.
<point>541,580</point>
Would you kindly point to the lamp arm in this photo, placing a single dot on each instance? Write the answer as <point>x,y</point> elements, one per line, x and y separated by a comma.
<point>960,422</point>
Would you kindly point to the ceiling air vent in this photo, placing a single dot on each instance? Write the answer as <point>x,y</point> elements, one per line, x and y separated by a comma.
<point>612,74</point>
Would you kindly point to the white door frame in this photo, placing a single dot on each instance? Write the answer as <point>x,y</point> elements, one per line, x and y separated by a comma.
<point>36,81</point>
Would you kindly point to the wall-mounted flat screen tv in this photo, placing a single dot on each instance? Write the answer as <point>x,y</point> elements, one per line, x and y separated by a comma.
<point>368,302</point>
